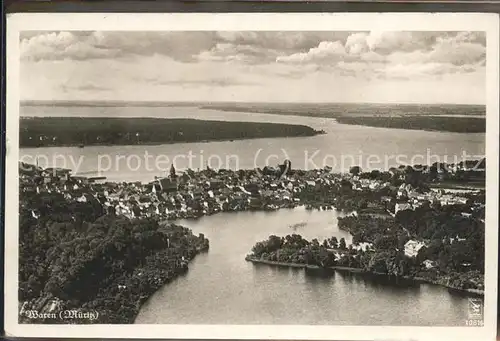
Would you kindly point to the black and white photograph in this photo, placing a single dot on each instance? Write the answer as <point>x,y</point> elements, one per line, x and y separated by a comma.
<point>267,176</point>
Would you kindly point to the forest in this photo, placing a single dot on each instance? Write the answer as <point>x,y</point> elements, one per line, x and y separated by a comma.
<point>454,241</point>
<point>83,131</point>
<point>89,260</point>
<point>420,122</point>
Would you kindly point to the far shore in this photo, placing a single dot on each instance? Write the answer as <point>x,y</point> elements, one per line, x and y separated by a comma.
<point>357,270</point>
<point>450,124</point>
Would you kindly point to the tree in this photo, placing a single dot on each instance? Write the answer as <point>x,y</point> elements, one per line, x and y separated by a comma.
<point>374,174</point>
<point>334,243</point>
<point>357,238</point>
<point>342,244</point>
<point>345,185</point>
<point>273,243</point>
<point>389,242</point>
<point>402,240</point>
<point>378,263</point>
<point>355,170</point>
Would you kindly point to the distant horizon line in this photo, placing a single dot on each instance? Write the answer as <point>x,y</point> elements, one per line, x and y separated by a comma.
<point>151,103</point>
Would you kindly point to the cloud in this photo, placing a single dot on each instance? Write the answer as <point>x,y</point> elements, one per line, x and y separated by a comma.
<point>356,43</point>
<point>182,64</point>
<point>181,46</point>
<point>85,87</point>
<point>387,42</point>
<point>103,44</point>
<point>219,82</point>
<point>229,52</point>
<point>61,45</point>
<point>325,51</point>
<point>287,41</point>
<point>397,54</point>
<point>458,53</point>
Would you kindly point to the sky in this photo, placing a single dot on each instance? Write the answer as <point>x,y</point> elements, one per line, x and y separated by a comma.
<point>249,66</point>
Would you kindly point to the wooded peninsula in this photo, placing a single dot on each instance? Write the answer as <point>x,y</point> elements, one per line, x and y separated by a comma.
<point>428,123</point>
<point>83,131</point>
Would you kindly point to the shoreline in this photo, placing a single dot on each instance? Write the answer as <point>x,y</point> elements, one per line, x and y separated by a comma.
<point>357,270</point>
<point>444,124</point>
<point>300,265</point>
<point>112,131</point>
<point>77,145</point>
<point>412,129</point>
<point>128,317</point>
<point>131,288</point>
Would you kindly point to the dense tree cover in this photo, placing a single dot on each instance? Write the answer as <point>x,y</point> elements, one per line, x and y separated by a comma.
<point>365,228</point>
<point>455,241</point>
<point>94,261</point>
<point>420,176</point>
<point>334,110</point>
<point>293,249</point>
<point>343,197</point>
<point>297,250</point>
<point>421,122</point>
<point>63,131</point>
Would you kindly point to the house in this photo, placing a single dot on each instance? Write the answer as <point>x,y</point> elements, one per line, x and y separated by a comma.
<point>168,185</point>
<point>254,202</point>
<point>385,198</point>
<point>81,180</point>
<point>412,247</point>
<point>197,194</point>
<point>401,207</point>
<point>82,198</point>
<point>216,184</point>
<point>251,187</point>
<point>267,193</point>
<point>55,171</point>
<point>363,246</point>
<point>429,264</point>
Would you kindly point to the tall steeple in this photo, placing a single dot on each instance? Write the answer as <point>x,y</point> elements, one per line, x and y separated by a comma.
<point>172,172</point>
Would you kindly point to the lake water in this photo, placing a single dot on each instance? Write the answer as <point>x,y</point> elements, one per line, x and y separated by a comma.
<point>221,287</point>
<point>342,147</point>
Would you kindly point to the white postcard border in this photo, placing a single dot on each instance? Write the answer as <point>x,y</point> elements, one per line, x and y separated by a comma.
<point>255,22</point>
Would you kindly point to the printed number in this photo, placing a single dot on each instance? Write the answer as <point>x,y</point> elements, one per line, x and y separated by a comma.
<point>474,323</point>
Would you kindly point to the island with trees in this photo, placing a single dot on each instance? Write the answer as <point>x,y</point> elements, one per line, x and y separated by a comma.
<point>83,131</point>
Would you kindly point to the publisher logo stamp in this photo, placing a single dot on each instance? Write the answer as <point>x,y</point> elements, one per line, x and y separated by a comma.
<point>475,311</point>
